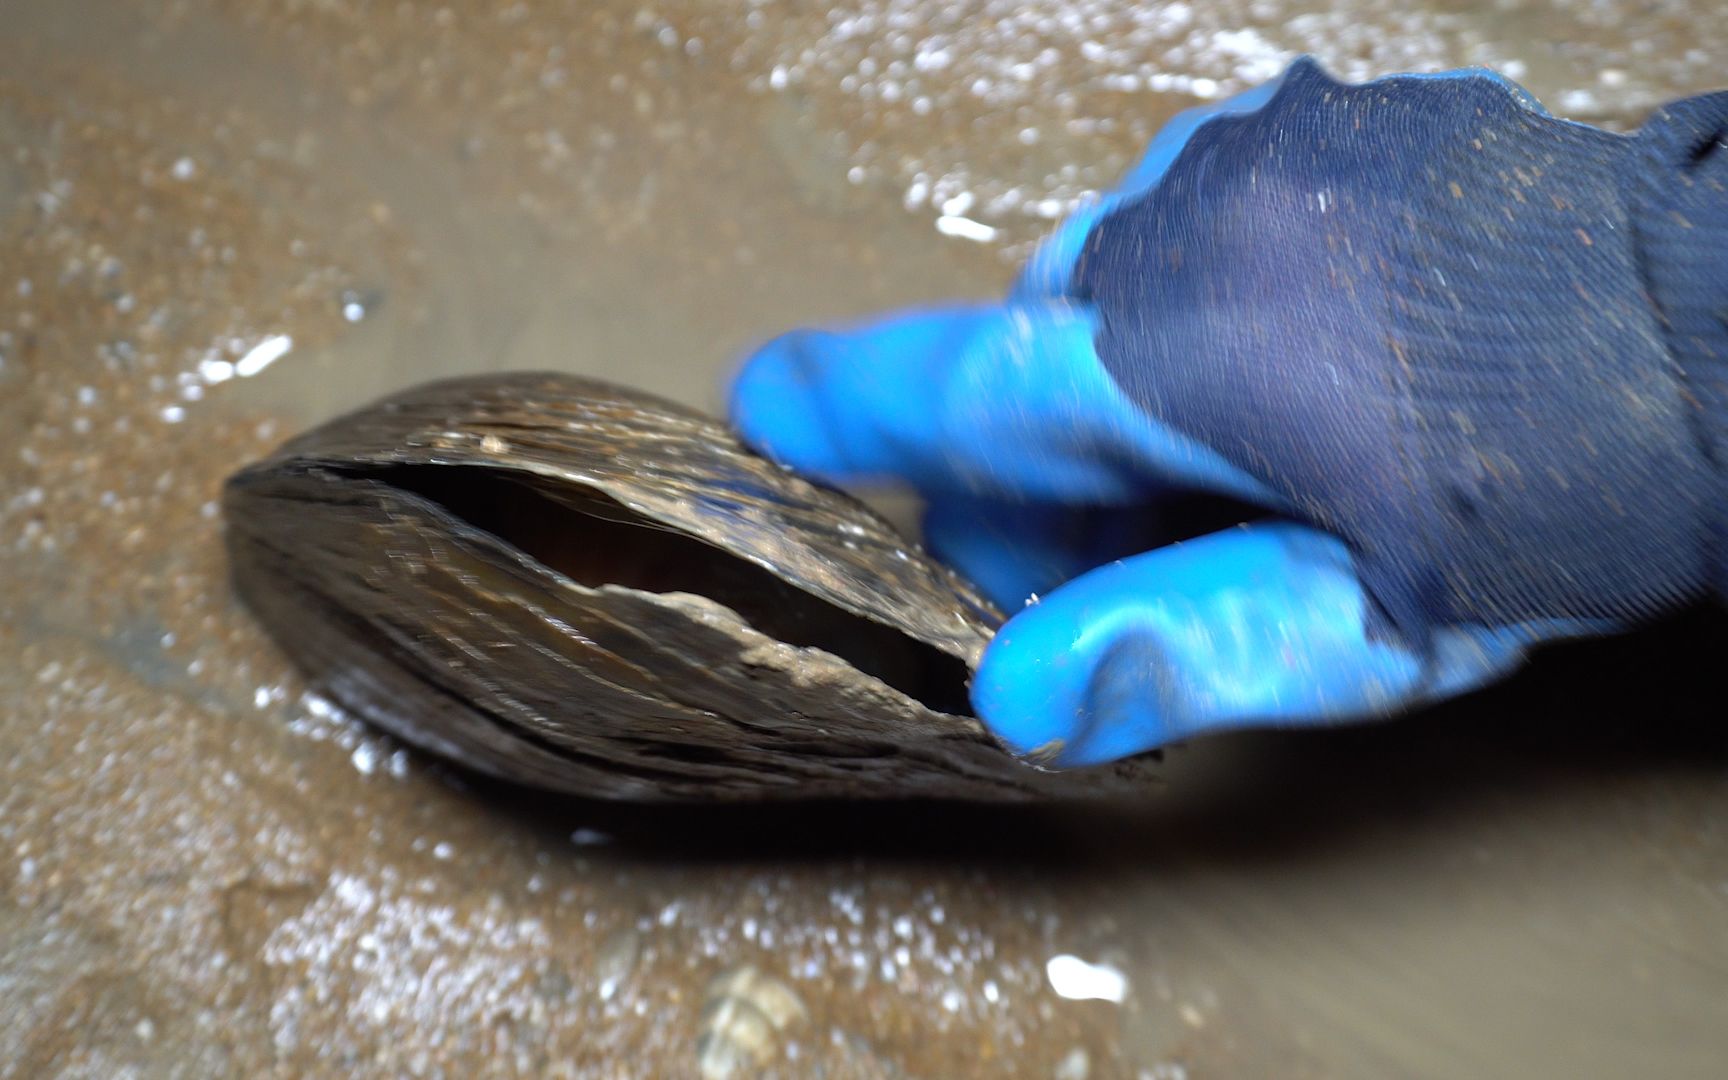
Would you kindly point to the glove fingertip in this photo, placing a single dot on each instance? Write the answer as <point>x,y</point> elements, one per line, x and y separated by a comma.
<point>777,408</point>
<point>1061,696</point>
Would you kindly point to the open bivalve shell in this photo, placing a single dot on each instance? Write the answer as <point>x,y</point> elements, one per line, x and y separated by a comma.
<point>588,589</point>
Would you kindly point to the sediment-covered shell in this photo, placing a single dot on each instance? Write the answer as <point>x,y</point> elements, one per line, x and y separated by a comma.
<point>592,590</point>
<point>746,1012</point>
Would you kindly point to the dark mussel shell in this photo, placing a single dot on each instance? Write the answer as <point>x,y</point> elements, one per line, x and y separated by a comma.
<point>592,590</point>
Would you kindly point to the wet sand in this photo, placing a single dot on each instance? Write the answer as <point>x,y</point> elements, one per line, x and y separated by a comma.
<point>221,220</point>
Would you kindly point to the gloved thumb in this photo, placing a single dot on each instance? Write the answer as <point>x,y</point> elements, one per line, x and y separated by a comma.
<point>1262,625</point>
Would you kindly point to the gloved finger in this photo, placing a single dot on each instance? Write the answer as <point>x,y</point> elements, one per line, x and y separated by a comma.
<point>1264,625</point>
<point>988,401</point>
<point>1015,551</point>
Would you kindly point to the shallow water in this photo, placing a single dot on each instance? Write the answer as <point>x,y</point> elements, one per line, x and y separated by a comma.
<point>223,219</point>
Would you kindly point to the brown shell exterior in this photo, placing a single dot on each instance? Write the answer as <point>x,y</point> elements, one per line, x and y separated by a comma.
<point>441,630</point>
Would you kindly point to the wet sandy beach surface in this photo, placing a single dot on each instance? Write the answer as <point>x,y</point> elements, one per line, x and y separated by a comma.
<point>221,220</point>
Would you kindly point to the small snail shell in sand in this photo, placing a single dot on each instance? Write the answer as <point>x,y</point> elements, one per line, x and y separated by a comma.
<point>745,1013</point>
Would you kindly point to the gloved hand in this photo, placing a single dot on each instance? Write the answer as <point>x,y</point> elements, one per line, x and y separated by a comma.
<point>1468,356</point>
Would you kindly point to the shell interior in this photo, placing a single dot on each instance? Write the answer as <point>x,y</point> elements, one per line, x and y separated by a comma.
<point>596,541</point>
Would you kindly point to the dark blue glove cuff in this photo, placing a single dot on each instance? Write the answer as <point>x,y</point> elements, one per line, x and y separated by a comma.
<point>1461,334</point>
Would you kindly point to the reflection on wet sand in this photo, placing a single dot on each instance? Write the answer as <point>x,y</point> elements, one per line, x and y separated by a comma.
<point>222,220</point>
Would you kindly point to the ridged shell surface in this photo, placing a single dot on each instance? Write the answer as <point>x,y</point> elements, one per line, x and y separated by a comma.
<point>588,589</point>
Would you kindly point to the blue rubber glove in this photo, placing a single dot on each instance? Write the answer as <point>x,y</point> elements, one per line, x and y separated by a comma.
<point>1037,464</point>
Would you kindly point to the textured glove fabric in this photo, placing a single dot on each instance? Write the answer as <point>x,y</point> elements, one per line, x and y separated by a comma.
<point>1678,193</point>
<point>1482,345</point>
